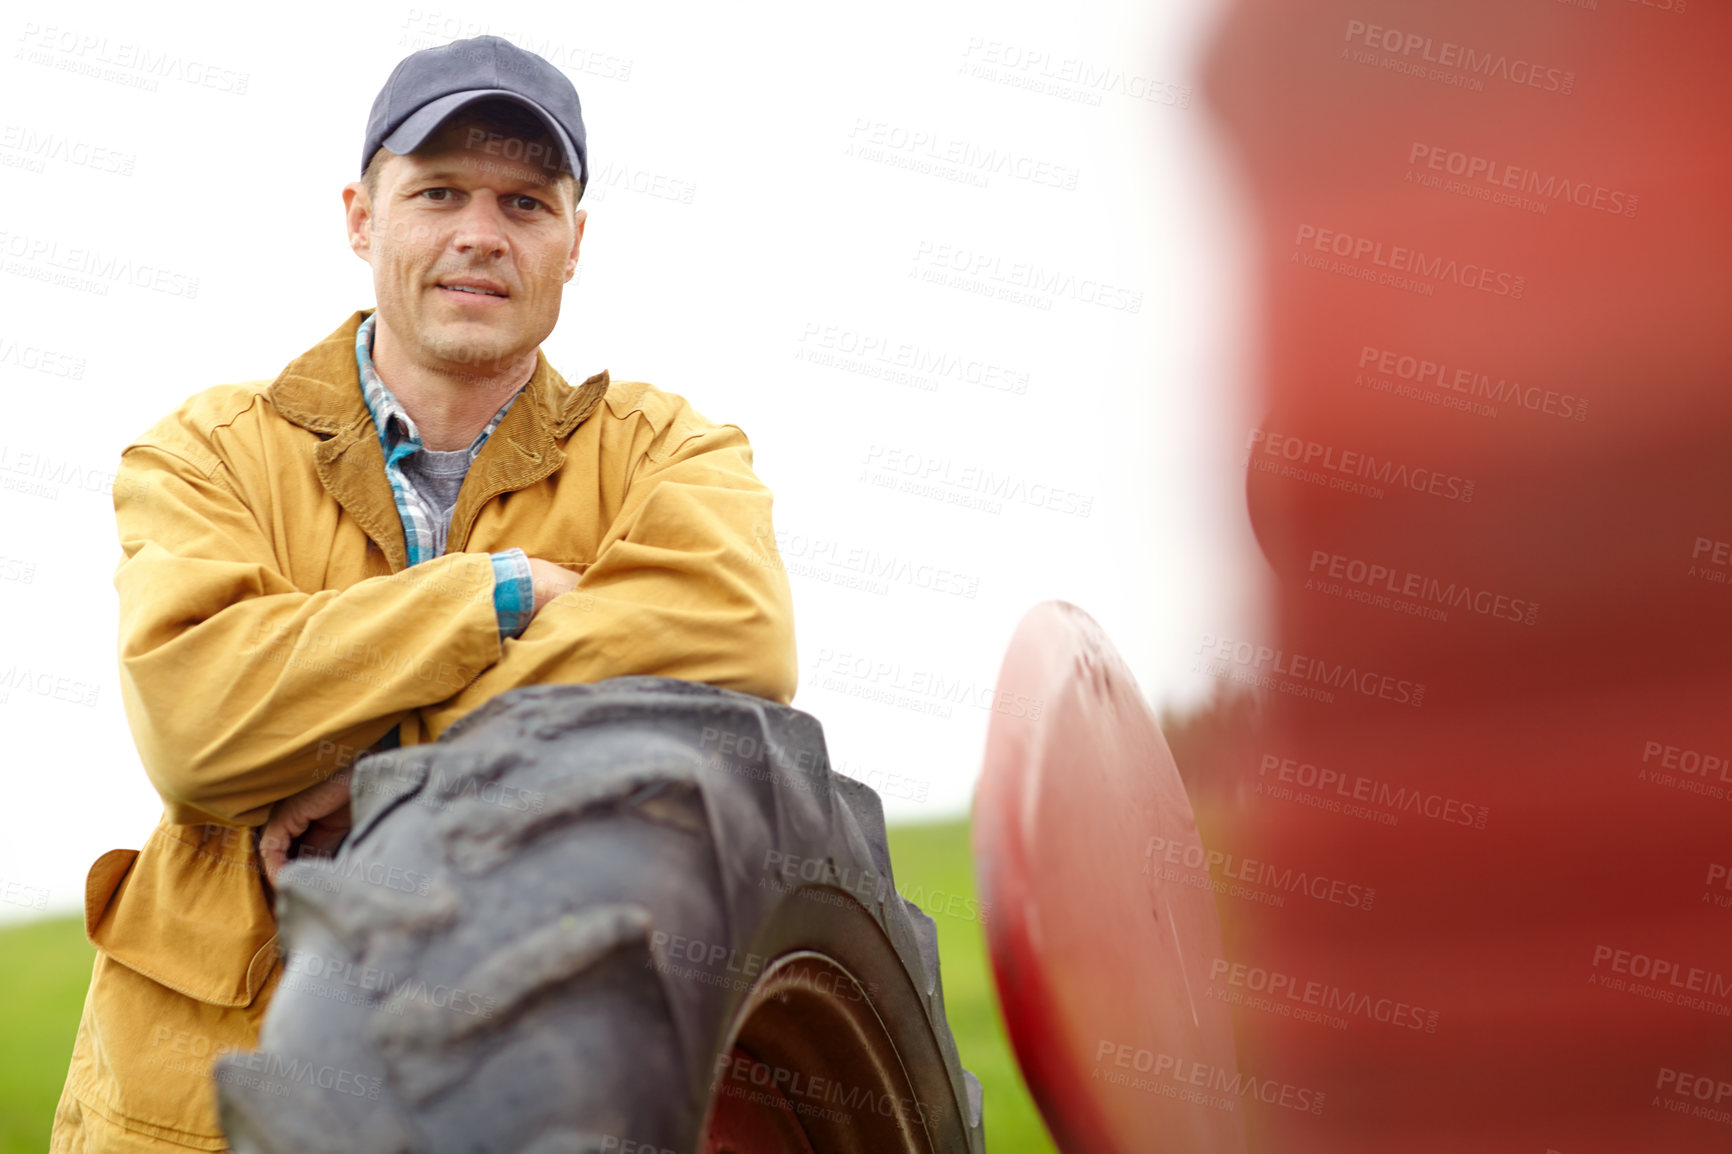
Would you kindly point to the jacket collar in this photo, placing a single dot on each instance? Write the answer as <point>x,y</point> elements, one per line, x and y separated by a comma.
<point>320,390</point>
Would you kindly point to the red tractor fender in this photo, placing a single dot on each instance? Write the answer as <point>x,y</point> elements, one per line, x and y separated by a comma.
<point>1104,925</point>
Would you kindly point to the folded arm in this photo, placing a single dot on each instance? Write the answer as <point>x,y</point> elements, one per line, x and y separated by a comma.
<point>687,584</point>
<point>241,688</point>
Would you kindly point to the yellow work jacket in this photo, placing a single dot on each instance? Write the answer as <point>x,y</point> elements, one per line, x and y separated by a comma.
<point>270,631</point>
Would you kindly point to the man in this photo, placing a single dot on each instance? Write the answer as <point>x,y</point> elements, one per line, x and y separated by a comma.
<point>416,515</point>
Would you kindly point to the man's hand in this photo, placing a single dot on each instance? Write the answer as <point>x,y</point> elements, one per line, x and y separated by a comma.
<point>319,817</point>
<point>550,581</point>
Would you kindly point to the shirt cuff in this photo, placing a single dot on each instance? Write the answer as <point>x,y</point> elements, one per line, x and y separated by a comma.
<point>513,592</point>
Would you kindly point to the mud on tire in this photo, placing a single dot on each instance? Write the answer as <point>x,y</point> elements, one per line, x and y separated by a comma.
<point>639,911</point>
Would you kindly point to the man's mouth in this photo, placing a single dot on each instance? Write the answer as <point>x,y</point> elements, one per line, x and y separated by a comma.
<point>470,289</point>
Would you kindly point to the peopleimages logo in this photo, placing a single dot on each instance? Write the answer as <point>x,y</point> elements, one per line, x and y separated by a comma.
<point>931,474</point>
<point>342,979</point>
<point>1448,54</point>
<point>792,1089</point>
<point>885,680</point>
<point>875,569</point>
<point>46,683</point>
<point>1692,762</point>
<point>41,360</point>
<point>1198,1083</point>
<point>1352,468</point>
<point>1702,1087</point>
<point>1324,996</point>
<point>1498,176</point>
<point>1378,579</point>
<point>902,362</point>
<point>42,255</point>
<point>921,149</point>
<point>1471,383</point>
<point>1400,259</point>
<point>1016,281</point>
<point>88,54</point>
<point>1277,669</point>
<point>1067,77</point>
<point>1188,863</point>
<point>45,146</point>
<point>1333,785</point>
<point>1662,980</point>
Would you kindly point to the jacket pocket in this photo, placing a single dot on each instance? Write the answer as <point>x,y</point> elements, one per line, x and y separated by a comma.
<point>188,911</point>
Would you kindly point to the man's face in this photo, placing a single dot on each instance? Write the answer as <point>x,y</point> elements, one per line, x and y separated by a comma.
<point>470,249</point>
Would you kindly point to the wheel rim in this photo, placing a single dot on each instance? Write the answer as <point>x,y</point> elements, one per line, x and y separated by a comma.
<point>811,1069</point>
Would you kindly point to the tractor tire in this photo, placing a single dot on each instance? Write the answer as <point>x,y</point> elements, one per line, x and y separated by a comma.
<point>640,916</point>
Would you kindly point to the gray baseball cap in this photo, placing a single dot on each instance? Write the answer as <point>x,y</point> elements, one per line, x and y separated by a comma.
<point>430,85</point>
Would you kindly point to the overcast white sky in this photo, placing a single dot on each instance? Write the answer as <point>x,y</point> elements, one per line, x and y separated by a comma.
<point>763,239</point>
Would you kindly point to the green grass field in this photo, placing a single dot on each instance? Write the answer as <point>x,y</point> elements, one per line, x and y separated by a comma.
<point>44,969</point>
<point>934,860</point>
<point>45,966</point>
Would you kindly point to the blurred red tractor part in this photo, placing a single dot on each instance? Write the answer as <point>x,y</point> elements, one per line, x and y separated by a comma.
<point>1103,924</point>
<point>1518,935</point>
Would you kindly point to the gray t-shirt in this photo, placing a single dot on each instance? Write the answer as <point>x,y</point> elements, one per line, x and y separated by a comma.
<point>438,476</point>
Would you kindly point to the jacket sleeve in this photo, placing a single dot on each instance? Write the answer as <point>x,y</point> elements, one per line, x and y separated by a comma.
<point>240,687</point>
<point>687,583</point>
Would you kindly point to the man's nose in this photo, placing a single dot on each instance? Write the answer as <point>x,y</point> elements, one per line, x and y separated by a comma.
<point>481,229</point>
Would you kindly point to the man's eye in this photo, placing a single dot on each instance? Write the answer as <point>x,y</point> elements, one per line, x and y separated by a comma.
<point>526,203</point>
<point>435,193</point>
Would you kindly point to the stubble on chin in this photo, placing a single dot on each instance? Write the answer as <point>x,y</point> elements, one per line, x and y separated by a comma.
<point>479,356</point>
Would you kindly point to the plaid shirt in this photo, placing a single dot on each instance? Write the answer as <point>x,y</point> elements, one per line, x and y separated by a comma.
<point>513,588</point>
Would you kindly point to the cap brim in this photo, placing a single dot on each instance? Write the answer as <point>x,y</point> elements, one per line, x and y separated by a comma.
<point>422,123</point>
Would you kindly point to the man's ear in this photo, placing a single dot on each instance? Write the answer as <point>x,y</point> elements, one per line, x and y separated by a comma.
<point>358,218</point>
<point>576,243</point>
